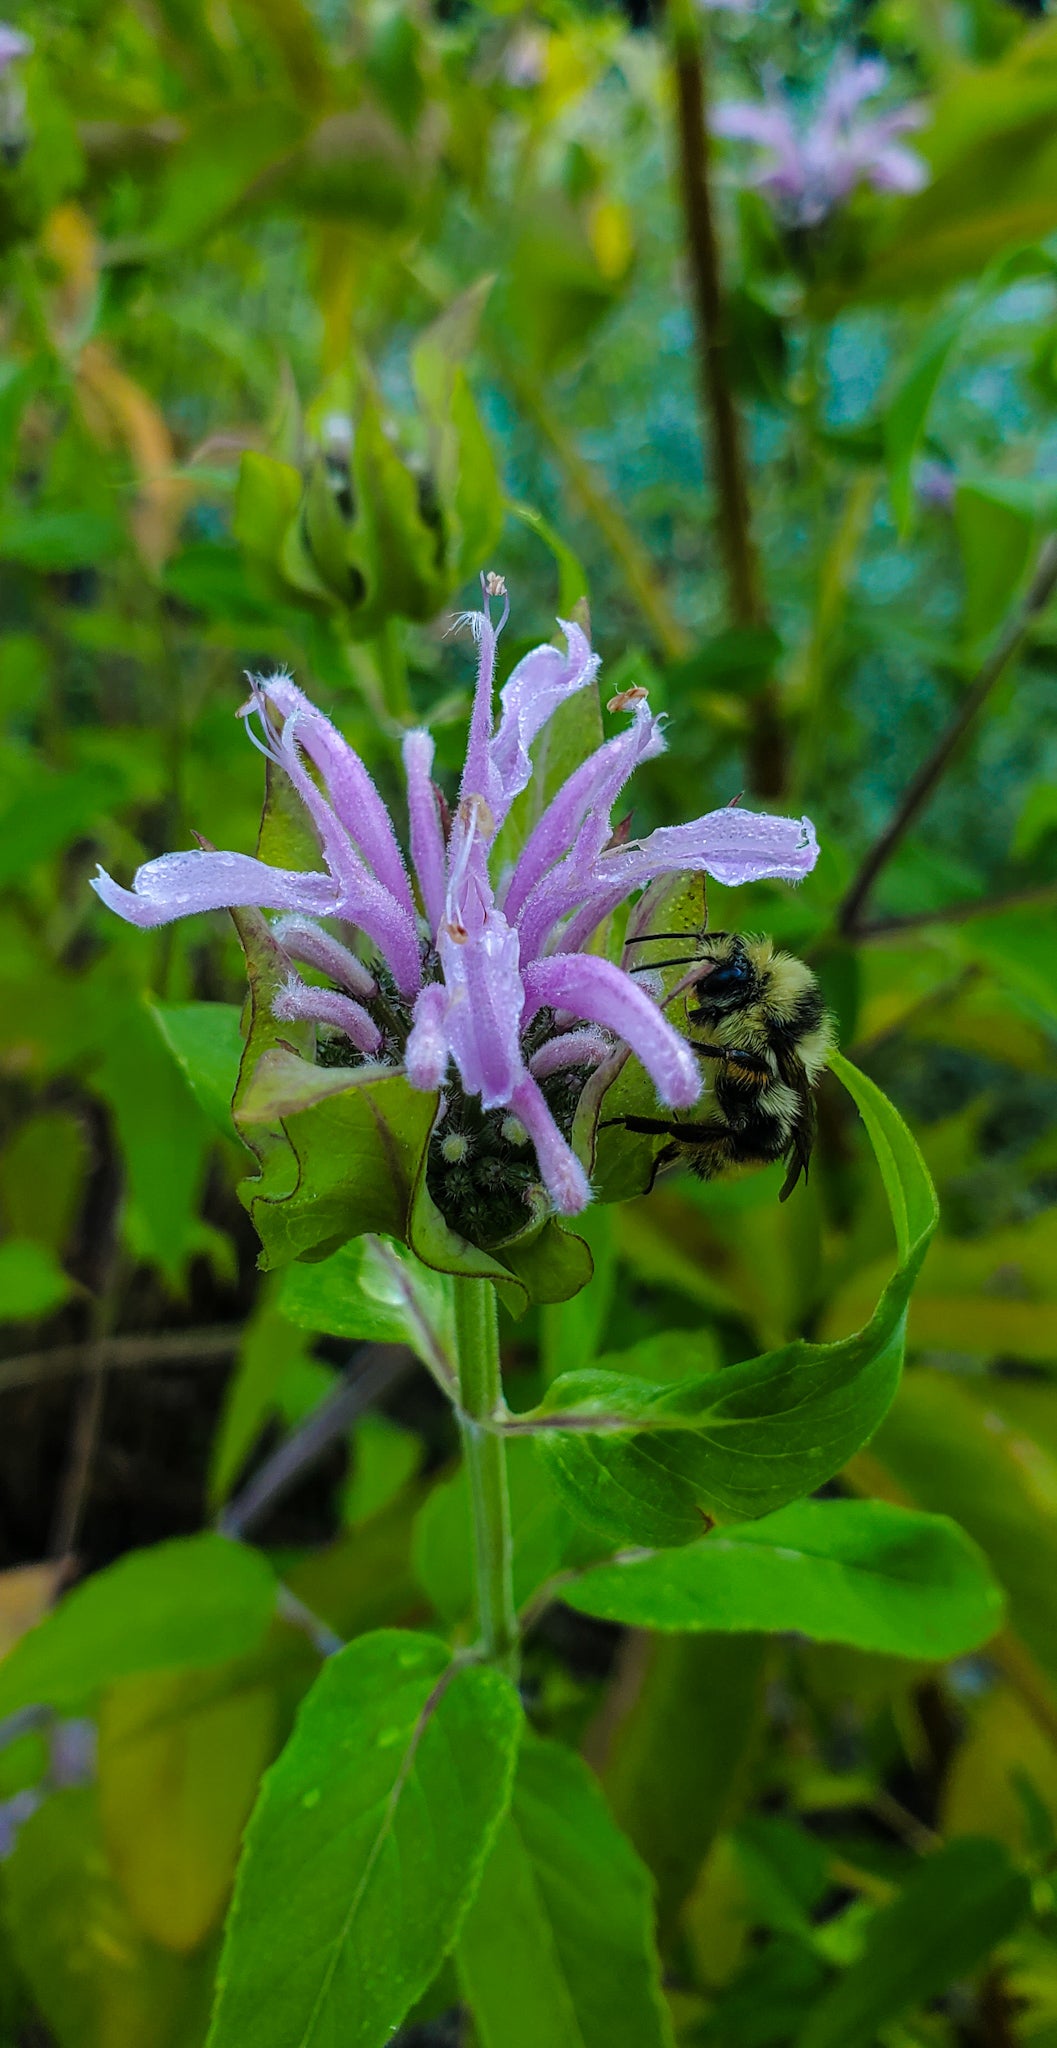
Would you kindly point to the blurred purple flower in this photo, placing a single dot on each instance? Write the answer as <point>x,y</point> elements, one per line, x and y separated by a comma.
<point>13,44</point>
<point>935,483</point>
<point>480,956</point>
<point>813,167</point>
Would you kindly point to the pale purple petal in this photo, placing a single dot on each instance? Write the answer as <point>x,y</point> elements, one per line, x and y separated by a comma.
<point>296,1001</point>
<point>586,797</point>
<point>478,776</point>
<point>850,82</point>
<point>541,681</point>
<point>427,836</point>
<point>479,959</point>
<point>732,845</point>
<point>427,1052</point>
<point>603,994</point>
<point>570,1049</point>
<point>13,44</point>
<point>361,899</point>
<point>898,170</point>
<point>351,789</point>
<point>560,1170</point>
<point>181,884</point>
<point>767,123</point>
<point>313,947</point>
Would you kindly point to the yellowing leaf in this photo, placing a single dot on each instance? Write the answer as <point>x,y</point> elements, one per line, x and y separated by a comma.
<point>25,1597</point>
<point>180,1761</point>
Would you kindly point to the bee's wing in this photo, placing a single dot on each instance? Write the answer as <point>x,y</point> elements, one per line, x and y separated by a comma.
<point>792,1071</point>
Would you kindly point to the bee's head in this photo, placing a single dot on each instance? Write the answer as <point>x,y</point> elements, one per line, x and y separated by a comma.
<point>734,979</point>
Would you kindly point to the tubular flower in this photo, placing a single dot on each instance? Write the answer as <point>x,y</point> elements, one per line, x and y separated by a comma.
<point>477,982</point>
<point>811,169</point>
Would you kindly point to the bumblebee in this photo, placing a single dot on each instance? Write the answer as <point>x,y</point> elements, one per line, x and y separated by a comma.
<point>766,1035</point>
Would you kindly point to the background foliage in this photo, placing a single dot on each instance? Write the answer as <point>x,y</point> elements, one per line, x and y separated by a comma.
<point>309,312</point>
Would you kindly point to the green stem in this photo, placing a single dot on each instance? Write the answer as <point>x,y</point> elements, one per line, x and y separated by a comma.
<point>480,1396</point>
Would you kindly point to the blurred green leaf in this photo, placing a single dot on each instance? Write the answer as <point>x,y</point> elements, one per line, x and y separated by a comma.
<point>190,1602</point>
<point>179,1764</point>
<point>961,1901</point>
<point>443,1539</point>
<point>165,1138</point>
<point>908,411</point>
<point>557,1946</point>
<point>386,1799</point>
<point>42,1173</point>
<point>99,1982</point>
<point>32,1282</point>
<point>384,1458</point>
<point>53,810</point>
<point>57,540</point>
<point>949,1449</point>
<point>270,1348</point>
<point>681,1758</point>
<point>205,1039</point>
<point>996,540</point>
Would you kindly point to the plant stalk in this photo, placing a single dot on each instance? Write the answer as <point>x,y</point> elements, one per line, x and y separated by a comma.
<point>480,1397</point>
<point>746,605</point>
<point>921,785</point>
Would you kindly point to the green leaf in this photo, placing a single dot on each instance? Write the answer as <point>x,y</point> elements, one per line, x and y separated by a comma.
<point>266,502</point>
<point>191,1602</point>
<point>270,1349</point>
<point>647,1463</point>
<point>557,1947</point>
<point>398,555</point>
<point>682,1755</point>
<point>384,1458</point>
<point>42,1175</point>
<point>97,1979</point>
<point>951,1448</point>
<point>385,1803</point>
<point>443,1539</point>
<point>205,1040</point>
<point>32,1282</point>
<point>1020,950</point>
<point>908,412</point>
<point>49,813</point>
<point>57,540</point>
<point>164,1136</point>
<point>180,1759</point>
<point>947,1918</point>
<point>740,658</point>
<point>996,539</point>
<point>358,1137</point>
<point>572,577</point>
<point>375,1290</point>
<point>859,1572</point>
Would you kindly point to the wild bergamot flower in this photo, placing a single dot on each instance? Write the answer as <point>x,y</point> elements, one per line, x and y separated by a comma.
<point>476,983</point>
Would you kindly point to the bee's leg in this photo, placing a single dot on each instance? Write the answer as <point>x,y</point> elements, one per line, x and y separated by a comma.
<point>643,1126</point>
<point>750,1064</point>
<point>704,1133</point>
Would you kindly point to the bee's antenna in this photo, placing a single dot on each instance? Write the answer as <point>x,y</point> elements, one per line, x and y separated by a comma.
<point>645,937</point>
<point>654,966</point>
